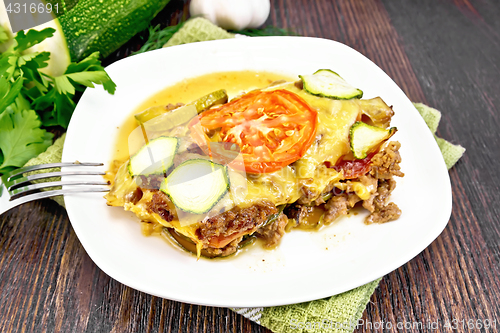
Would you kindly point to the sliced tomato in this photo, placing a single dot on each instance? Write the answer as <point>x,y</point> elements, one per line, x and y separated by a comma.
<point>221,241</point>
<point>271,128</point>
<point>354,168</point>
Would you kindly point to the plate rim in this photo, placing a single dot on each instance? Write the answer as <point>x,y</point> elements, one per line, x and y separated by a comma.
<point>445,212</point>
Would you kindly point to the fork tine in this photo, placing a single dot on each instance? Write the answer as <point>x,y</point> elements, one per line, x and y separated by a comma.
<point>21,190</point>
<point>17,172</point>
<point>20,181</point>
<point>47,194</point>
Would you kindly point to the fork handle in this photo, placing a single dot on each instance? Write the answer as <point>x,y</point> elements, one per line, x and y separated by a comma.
<point>6,204</point>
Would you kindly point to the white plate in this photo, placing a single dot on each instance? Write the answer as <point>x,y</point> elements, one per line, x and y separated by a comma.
<point>306,265</point>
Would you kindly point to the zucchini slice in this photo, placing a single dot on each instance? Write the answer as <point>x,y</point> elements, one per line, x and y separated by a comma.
<point>156,157</point>
<point>196,185</point>
<point>201,104</point>
<point>169,119</point>
<point>207,101</point>
<point>365,138</point>
<point>327,83</point>
<point>104,26</point>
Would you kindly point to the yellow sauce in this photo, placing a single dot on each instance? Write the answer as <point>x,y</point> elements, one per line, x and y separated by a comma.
<point>190,89</point>
<point>313,218</point>
<point>281,187</point>
<point>335,118</point>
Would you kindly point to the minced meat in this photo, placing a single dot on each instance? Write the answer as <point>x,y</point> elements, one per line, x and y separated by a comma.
<point>230,248</point>
<point>384,214</point>
<point>159,204</point>
<point>236,220</point>
<point>272,232</point>
<point>379,180</point>
<point>385,164</point>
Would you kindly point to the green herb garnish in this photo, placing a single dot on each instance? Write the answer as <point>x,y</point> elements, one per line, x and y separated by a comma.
<point>266,31</point>
<point>31,99</point>
<point>159,37</point>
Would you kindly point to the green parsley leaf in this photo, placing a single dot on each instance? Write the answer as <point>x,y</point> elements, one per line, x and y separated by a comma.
<point>37,59</point>
<point>64,86</point>
<point>9,92</point>
<point>21,138</point>
<point>57,102</point>
<point>30,99</point>
<point>79,73</point>
<point>33,37</point>
<point>61,108</point>
<point>19,104</point>
<point>31,73</point>
<point>4,65</point>
<point>3,35</point>
<point>8,66</point>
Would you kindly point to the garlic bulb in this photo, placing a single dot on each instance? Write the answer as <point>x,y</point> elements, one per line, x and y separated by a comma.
<point>232,14</point>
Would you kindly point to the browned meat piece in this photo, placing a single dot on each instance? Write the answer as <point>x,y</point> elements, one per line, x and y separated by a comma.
<point>134,196</point>
<point>299,84</point>
<point>369,204</point>
<point>151,182</point>
<point>307,196</point>
<point>171,106</point>
<point>159,204</point>
<point>352,199</point>
<point>180,158</point>
<point>272,232</point>
<point>321,199</point>
<point>385,163</point>
<point>219,230</point>
<point>368,181</point>
<point>384,190</point>
<point>338,206</point>
<point>335,207</point>
<point>380,210</point>
<point>193,148</point>
<point>384,214</point>
<point>379,199</point>
<point>297,212</point>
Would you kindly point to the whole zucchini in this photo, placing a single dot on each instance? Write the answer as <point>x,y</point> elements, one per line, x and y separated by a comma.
<point>104,26</point>
<point>89,26</point>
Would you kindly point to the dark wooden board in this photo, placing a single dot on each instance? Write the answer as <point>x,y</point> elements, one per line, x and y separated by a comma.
<point>445,53</point>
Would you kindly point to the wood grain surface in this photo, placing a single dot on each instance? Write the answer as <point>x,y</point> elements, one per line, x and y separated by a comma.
<point>445,53</point>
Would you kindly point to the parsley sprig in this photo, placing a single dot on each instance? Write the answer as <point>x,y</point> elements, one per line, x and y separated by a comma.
<point>31,99</point>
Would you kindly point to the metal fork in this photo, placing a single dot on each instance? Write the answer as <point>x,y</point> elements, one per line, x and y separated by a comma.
<point>16,189</point>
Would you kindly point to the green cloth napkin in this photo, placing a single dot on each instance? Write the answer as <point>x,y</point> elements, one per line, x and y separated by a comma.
<point>53,154</point>
<point>197,30</point>
<point>339,313</point>
<point>451,153</point>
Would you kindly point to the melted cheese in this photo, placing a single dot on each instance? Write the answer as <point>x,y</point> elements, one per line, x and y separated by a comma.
<point>124,185</point>
<point>335,118</point>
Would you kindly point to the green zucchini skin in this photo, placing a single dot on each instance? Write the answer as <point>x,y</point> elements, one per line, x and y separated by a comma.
<point>105,25</point>
<point>196,207</point>
<point>172,145</point>
<point>201,104</point>
<point>337,88</point>
<point>364,138</point>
